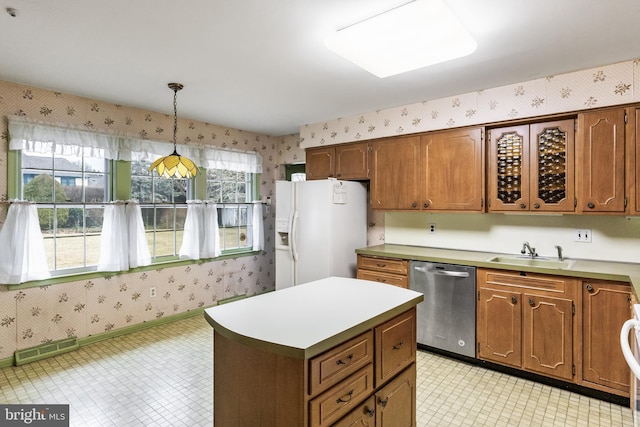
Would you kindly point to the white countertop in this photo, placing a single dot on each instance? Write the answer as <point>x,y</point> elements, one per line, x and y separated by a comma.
<point>305,320</point>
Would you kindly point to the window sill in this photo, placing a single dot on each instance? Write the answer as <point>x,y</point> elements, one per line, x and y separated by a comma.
<point>99,274</point>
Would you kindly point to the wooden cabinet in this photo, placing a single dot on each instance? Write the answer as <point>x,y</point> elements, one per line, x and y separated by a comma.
<point>531,167</point>
<point>635,165</point>
<point>439,171</point>
<point>368,378</point>
<point>389,406</point>
<point>600,159</point>
<point>395,173</point>
<point>453,170</point>
<point>384,270</point>
<point>606,306</point>
<point>526,321</point>
<point>345,161</point>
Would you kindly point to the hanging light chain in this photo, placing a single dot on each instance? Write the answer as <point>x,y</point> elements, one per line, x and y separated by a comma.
<point>175,87</point>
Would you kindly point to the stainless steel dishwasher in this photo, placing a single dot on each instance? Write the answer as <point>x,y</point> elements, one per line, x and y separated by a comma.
<point>447,316</point>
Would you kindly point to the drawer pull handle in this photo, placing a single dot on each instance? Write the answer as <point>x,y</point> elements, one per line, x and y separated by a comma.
<point>383,402</point>
<point>341,400</point>
<point>340,362</point>
<point>381,265</point>
<point>398,346</point>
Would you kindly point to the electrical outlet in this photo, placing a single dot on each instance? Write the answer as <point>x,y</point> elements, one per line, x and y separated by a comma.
<point>153,292</point>
<point>432,228</point>
<point>582,235</point>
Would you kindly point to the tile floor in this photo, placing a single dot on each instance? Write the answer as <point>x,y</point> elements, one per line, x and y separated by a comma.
<point>162,376</point>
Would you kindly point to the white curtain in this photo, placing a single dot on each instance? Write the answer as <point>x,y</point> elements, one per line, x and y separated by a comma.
<point>41,137</point>
<point>23,257</point>
<point>201,238</point>
<point>258,227</point>
<point>123,244</point>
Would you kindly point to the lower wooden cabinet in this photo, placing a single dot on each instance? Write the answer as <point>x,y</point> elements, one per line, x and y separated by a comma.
<point>384,270</point>
<point>561,327</point>
<point>527,321</point>
<point>388,407</point>
<point>606,306</point>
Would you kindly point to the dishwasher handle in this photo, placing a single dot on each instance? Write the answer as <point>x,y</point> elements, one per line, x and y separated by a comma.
<point>443,272</point>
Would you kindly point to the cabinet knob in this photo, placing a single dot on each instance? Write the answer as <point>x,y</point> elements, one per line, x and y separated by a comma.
<point>590,205</point>
<point>514,300</point>
<point>425,205</point>
<point>523,205</point>
<point>414,205</point>
<point>536,205</point>
<point>589,287</point>
<point>370,412</point>
<point>531,302</point>
<point>383,402</point>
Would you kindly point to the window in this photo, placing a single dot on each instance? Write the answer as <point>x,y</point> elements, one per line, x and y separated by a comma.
<point>70,192</point>
<point>71,174</point>
<point>164,208</point>
<point>233,191</point>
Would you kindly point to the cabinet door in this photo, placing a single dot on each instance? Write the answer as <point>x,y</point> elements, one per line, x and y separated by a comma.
<point>395,343</point>
<point>320,163</point>
<point>395,173</point>
<point>601,161</point>
<point>509,169</point>
<point>453,170</point>
<point>606,306</point>
<point>548,335</point>
<point>352,161</point>
<point>552,185</point>
<point>396,402</point>
<point>362,416</point>
<point>636,162</point>
<point>500,326</point>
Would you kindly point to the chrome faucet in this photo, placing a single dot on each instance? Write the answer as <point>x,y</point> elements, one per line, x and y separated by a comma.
<point>559,248</point>
<point>526,247</point>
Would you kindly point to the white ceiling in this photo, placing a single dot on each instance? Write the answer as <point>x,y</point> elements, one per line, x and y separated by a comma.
<point>261,65</point>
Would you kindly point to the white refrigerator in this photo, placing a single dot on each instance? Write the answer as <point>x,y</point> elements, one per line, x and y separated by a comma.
<point>319,225</point>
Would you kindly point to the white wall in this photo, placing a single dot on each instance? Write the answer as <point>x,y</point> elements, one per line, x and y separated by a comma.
<point>613,239</point>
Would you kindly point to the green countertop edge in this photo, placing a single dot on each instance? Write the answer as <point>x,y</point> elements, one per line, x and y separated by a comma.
<point>583,268</point>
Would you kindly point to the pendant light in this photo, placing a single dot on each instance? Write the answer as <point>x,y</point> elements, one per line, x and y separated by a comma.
<point>174,165</point>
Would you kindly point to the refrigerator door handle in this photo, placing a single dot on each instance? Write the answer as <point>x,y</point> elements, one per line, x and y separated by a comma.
<point>292,236</point>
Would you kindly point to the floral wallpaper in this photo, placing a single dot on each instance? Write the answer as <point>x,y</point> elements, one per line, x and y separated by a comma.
<point>593,88</point>
<point>33,316</point>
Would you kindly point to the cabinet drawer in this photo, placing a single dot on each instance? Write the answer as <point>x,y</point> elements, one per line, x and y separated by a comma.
<point>391,279</point>
<point>389,265</point>
<point>542,282</point>
<point>395,346</point>
<point>342,398</point>
<point>338,363</point>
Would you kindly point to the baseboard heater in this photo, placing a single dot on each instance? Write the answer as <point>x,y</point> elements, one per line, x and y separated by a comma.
<point>43,351</point>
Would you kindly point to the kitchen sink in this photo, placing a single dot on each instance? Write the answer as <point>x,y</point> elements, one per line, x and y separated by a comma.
<point>538,262</point>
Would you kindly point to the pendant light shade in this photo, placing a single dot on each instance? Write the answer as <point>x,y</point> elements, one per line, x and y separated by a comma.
<point>175,165</point>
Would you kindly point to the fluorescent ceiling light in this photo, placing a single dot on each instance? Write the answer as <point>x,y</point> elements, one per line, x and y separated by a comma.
<point>412,36</point>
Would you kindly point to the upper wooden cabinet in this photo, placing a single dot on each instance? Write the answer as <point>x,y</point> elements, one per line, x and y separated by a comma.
<point>395,173</point>
<point>635,169</point>
<point>453,170</point>
<point>440,171</point>
<point>600,157</point>
<point>347,161</point>
<point>531,167</point>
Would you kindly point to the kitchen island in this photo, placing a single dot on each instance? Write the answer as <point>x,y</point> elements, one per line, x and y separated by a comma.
<point>318,354</point>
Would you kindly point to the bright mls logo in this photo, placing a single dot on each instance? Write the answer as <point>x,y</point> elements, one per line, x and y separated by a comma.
<point>34,415</point>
